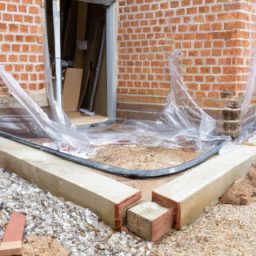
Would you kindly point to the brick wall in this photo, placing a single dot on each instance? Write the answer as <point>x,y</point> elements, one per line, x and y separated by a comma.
<point>21,50</point>
<point>216,38</point>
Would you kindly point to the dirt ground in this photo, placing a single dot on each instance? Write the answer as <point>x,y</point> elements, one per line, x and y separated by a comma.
<point>241,193</point>
<point>42,246</point>
<point>143,158</point>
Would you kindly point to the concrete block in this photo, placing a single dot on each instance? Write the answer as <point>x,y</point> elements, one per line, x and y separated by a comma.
<point>79,184</point>
<point>190,193</point>
<point>149,220</point>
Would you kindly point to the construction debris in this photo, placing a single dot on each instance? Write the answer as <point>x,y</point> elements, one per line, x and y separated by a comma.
<point>241,193</point>
<point>12,241</point>
<point>42,246</point>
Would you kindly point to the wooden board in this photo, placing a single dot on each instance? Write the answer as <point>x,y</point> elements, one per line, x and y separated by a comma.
<point>78,118</point>
<point>95,19</point>
<point>71,90</point>
<point>80,33</point>
<point>100,101</point>
<point>68,49</point>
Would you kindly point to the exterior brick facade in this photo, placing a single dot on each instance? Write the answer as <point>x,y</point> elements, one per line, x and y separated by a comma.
<point>21,38</point>
<point>216,38</point>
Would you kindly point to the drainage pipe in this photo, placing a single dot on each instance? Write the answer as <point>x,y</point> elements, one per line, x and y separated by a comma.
<point>115,170</point>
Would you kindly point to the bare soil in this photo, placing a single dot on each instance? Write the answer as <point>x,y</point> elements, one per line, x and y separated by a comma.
<point>252,175</point>
<point>143,158</point>
<point>241,193</point>
<point>42,246</point>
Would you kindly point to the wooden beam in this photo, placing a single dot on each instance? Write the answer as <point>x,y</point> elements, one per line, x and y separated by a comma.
<point>104,2</point>
<point>80,33</point>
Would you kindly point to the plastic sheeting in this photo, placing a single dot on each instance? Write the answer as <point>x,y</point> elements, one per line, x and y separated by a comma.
<point>183,124</point>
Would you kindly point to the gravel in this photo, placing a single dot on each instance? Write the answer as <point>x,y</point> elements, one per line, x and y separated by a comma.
<point>221,230</point>
<point>77,229</point>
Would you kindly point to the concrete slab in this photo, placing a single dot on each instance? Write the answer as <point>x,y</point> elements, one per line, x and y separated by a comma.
<point>149,220</point>
<point>190,193</point>
<point>106,197</point>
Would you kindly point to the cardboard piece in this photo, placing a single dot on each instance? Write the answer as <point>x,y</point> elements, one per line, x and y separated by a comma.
<point>71,90</point>
<point>78,118</point>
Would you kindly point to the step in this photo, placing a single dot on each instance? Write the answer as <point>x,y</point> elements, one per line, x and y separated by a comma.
<point>190,193</point>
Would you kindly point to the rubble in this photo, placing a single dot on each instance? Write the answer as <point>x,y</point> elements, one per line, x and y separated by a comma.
<point>241,193</point>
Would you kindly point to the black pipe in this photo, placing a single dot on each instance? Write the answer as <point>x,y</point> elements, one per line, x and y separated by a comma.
<point>115,170</point>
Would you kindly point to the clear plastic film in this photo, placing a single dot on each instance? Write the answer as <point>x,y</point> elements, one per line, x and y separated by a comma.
<point>183,124</point>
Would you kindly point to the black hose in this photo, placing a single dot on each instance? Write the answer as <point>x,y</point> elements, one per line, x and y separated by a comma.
<point>115,170</point>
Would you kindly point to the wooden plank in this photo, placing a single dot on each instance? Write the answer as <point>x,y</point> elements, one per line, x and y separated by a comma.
<point>100,101</point>
<point>10,248</point>
<point>69,46</point>
<point>12,240</point>
<point>78,118</point>
<point>71,90</point>
<point>105,2</point>
<point>80,33</point>
<point>93,36</point>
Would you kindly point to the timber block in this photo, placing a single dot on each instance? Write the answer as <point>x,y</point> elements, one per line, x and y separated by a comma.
<point>203,185</point>
<point>149,220</point>
<point>108,198</point>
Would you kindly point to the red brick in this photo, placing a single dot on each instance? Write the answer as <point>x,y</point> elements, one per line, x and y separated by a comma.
<point>15,228</point>
<point>11,7</point>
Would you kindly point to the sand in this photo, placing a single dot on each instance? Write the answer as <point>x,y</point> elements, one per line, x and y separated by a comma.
<point>143,158</point>
<point>42,246</point>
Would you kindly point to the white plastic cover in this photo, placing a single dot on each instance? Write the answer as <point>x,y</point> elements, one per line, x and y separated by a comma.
<point>182,124</point>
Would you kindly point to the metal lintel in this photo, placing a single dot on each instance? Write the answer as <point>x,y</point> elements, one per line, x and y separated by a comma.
<point>104,2</point>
